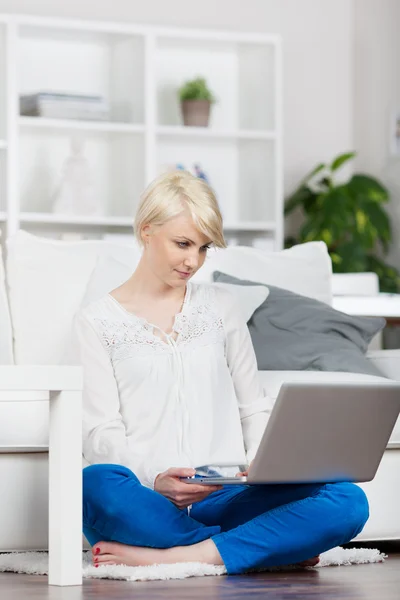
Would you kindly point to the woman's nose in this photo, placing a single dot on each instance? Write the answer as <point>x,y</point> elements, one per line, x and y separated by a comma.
<point>191,261</point>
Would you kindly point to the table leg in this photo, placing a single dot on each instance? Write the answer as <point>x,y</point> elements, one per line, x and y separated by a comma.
<point>65,488</point>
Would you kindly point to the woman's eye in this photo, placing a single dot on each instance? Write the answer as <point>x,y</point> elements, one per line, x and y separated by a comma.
<point>186,245</point>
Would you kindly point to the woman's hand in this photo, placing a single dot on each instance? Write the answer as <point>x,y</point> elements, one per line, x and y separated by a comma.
<point>244,473</point>
<point>180,493</point>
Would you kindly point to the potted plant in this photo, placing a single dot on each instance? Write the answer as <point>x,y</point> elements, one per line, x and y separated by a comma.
<point>349,217</point>
<point>196,99</point>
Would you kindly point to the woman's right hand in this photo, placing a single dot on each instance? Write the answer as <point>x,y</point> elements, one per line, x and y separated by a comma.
<point>180,493</point>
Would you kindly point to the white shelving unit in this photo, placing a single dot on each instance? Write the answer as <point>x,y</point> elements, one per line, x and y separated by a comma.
<point>138,69</point>
<point>91,126</point>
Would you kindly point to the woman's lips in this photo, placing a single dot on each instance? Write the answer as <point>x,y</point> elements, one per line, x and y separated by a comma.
<point>183,273</point>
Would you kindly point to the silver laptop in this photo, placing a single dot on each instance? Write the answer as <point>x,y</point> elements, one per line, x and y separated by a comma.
<point>322,432</point>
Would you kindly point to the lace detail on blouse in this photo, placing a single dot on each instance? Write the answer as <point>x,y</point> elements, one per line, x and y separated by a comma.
<point>123,339</point>
<point>199,324</point>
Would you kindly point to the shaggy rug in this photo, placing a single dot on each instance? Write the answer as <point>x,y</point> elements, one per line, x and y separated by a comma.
<point>36,563</point>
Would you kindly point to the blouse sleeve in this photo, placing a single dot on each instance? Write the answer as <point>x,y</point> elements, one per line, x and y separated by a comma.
<point>104,434</point>
<point>254,406</point>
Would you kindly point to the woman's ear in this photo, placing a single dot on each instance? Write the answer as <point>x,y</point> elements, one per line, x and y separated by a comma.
<point>145,234</point>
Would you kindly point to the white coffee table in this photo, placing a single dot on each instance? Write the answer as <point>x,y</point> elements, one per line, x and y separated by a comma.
<point>379,305</point>
<point>61,388</point>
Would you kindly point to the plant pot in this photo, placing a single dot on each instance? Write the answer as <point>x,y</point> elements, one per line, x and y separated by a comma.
<point>196,113</point>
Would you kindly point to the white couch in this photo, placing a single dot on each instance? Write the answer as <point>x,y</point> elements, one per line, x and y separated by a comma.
<point>47,281</point>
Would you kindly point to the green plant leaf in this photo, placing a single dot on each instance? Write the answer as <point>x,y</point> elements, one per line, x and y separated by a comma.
<point>290,241</point>
<point>350,218</point>
<point>361,220</point>
<point>310,203</point>
<point>334,213</point>
<point>312,174</point>
<point>389,276</point>
<point>334,205</point>
<point>341,159</point>
<point>299,198</point>
<point>366,238</point>
<point>327,237</point>
<point>363,186</point>
<point>311,230</point>
<point>336,259</point>
<point>377,221</point>
<point>365,233</point>
<point>196,89</point>
<point>316,170</point>
<point>353,259</point>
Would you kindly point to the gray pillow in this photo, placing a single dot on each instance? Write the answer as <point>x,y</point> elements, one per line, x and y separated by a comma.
<point>295,333</point>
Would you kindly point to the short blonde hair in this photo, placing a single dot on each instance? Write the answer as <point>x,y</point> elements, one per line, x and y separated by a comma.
<point>170,194</point>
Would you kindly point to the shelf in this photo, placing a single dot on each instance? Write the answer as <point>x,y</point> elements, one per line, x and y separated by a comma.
<point>3,144</point>
<point>45,218</point>
<point>206,132</point>
<point>96,126</point>
<point>267,226</point>
<point>22,449</point>
<point>75,220</point>
<point>165,130</point>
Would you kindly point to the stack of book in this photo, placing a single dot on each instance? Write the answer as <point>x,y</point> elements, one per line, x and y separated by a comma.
<point>64,106</point>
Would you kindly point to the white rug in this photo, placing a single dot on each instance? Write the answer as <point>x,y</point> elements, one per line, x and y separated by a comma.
<point>36,563</point>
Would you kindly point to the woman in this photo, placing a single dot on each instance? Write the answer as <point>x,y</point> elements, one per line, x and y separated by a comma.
<point>170,384</point>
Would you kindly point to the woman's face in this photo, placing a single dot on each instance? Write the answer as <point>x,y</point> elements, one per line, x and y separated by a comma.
<point>176,250</point>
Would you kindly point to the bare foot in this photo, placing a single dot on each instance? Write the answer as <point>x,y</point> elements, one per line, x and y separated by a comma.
<point>311,562</point>
<point>113,553</point>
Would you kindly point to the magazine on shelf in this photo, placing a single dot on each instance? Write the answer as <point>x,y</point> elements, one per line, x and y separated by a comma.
<point>68,106</point>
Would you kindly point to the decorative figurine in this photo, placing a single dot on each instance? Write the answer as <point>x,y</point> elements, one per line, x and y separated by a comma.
<point>75,194</point>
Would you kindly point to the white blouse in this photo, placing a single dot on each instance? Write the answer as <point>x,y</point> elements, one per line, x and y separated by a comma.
<point>151,402</point>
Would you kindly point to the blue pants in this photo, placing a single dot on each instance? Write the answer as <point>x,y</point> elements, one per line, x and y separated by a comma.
<point>252,526</point>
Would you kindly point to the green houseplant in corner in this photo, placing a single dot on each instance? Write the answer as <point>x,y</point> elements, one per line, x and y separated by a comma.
<point>349,217</point>
<point>196,99</point>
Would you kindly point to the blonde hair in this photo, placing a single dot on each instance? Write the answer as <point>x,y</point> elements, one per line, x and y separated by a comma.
<point>170,194</point>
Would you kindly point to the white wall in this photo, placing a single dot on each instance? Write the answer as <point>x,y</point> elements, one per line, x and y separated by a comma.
<point>376,94</point>
<point>317,42</point>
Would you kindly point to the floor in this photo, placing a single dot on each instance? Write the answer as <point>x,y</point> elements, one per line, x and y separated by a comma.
<point>358,582</point>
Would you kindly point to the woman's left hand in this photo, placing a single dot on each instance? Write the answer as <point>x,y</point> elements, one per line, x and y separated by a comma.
<point>244,473</point>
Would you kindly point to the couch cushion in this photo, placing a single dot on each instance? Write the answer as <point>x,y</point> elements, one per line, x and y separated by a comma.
<point>387,361</point>
<point>272,381</point>
<point>54,274</point>
<point>24,423</point>
<point>290,331</point>
<point>305,269</point>
<point>6,341</point>
<point>47,281</point>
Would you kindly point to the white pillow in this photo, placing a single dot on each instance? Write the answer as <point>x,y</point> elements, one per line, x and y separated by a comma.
<point>6,341</point>
<point>304,269</point>
<point>248,297</point>
<point>47,281</point>
<point>110,273</point>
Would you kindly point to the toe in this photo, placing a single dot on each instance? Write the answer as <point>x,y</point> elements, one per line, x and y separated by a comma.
<point>96,549</point>
<point>104,558</point>
<point>102,548</point>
